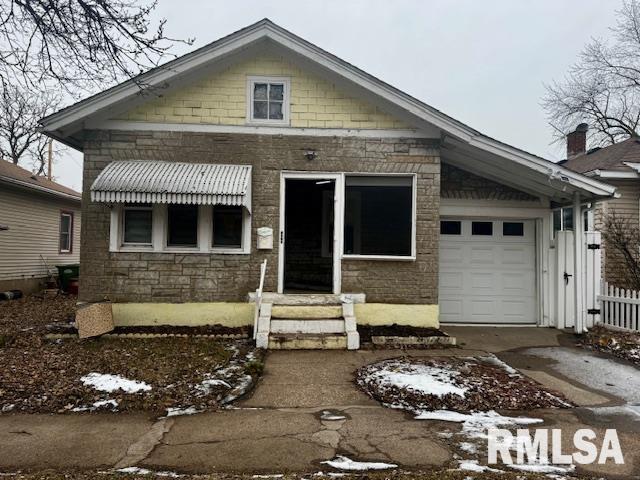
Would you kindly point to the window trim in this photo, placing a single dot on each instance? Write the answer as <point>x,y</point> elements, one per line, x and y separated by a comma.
<point>414,197</point>
<point>286,100</point>
<point>160,232</point>
<point>69,214</point>
<point>134,206</point>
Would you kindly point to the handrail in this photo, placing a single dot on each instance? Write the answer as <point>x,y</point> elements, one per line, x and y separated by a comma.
<point>256,315</point>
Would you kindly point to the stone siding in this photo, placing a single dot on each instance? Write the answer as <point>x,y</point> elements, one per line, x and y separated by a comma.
<point>197,277</point>
<point>457,183</point>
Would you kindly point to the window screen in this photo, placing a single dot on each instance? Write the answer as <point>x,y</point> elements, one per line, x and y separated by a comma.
<point>378,215</point>
<point>227,226</point>
<point>268,100</point>
<point>513,229</point>
<point>182,226</point>
<point>450,227</point>
<point>482,228</point>
<point>137,226</point>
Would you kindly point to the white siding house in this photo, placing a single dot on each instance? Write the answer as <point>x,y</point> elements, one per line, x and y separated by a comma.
<point>39,227</point>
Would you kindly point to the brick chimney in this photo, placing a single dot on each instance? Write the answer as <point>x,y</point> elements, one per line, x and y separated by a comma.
<point>577,141</point>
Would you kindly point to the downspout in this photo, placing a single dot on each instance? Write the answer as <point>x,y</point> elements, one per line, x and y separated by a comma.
<point>578,228</point>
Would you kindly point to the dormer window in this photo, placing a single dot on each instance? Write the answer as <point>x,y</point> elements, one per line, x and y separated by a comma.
<point>268,100</point>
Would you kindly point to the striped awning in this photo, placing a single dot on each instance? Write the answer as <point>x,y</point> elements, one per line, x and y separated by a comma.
<point>149,181</point>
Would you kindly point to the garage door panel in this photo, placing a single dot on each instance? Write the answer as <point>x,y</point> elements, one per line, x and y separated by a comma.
<point>488,279</point>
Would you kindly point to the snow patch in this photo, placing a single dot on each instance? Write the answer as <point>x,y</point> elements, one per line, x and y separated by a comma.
<point>110,383</point>
<point>542,468</point>
<point>329,416</point>
<point>474,466</point>
<point>144,471</point>
<point>426,379</point>
<point>97,405</point>
<point>344,463</point>
<point>176,411</point>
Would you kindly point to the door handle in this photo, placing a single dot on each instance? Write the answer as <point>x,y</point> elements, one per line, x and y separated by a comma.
<point>566,278</point>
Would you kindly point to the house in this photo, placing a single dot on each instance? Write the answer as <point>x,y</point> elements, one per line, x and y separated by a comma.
<point>618,165</point>
<point>262,146</point>
<point>39,228</point>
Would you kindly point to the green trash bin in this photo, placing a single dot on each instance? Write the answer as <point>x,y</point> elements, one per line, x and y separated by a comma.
<point>66,273</point>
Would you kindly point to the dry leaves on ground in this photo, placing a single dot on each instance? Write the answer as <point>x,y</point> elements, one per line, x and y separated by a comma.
<point>482,384</point>
<point>625,345</point>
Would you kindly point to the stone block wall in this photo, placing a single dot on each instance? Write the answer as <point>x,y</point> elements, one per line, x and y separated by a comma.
<point>197,277</point>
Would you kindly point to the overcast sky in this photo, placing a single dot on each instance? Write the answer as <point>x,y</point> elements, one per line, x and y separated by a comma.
<point>482,62</point>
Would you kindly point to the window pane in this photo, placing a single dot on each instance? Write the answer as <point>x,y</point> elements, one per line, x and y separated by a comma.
<point>450,227</point>
<point>378,216</point>
<point>275,111</point>
<point>276,91</point>
<point>513,229</point>
<point>260,91</point>
<point>227,226</point>
<point>567,218</point>
<point>182,226</point>
<point>65,244</point>
<point>260,110</point>
<point>137,226</point>
<point>482,228</point>
<point>65,223</point>
<point>557,221</point>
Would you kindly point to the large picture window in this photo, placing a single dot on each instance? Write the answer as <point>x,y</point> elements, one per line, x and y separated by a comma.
<point>182,226</point>
<point>137,225</point>
<point>378,216</point>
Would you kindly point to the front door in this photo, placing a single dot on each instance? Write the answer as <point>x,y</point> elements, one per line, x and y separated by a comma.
<point>308,234</point>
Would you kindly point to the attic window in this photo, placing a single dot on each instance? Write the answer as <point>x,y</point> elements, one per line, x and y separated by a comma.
<point>268,100</point>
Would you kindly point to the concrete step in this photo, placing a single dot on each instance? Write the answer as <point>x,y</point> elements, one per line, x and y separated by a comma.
<point>309,312</point>
<point>330,325</point>
<point>307,341</point>
<point>309,299</point>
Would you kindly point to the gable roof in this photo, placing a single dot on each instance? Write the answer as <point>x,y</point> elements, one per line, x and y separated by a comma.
<point>68,122</point>
<point>15,175</point>
<point>612,158</point>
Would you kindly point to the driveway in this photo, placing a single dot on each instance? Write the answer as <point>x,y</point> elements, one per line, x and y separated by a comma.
<point>306,410</point>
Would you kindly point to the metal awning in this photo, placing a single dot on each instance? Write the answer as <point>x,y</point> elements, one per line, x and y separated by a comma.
<point>150,181</point>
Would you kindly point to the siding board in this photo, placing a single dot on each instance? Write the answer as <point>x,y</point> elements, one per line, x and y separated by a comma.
<point>34,222</point>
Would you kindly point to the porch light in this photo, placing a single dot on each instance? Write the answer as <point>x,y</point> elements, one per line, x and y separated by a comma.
<point>310,154</point>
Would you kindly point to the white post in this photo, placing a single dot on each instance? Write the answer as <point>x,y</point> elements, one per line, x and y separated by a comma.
<point>578,255</point>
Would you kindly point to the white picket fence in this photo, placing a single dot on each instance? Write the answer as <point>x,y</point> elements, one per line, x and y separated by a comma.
<point>619,308</point>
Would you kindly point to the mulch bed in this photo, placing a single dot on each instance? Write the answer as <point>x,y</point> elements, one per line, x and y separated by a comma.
<point>625,345</point>
<point>436,474</point>
<point>44,376</point>
<point>395,330</point>
<point>210,330</point>
<point>490,387</point>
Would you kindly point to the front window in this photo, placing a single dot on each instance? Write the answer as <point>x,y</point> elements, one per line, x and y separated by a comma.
<point>378,216</point>
<point>137,225</point>
<point>66,232</point>
<point>227,226</point>
<point>182,226</point>
<point>268,100</point>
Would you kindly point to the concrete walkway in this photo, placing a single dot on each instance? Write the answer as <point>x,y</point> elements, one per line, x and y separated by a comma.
<point>305,410</point>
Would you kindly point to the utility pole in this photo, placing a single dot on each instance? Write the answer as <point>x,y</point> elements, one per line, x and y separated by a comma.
<point>50,158</point>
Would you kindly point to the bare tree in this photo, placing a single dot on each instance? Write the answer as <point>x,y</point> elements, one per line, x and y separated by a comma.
<point>603,86</point>
<point>20,110</point>
<point>622,240</point>
<point>79,43</point>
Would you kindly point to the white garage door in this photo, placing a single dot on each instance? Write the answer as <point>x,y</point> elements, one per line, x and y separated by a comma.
<point>487,271</point>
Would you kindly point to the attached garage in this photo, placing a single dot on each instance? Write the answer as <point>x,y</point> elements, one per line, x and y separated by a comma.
<point>487,271</point>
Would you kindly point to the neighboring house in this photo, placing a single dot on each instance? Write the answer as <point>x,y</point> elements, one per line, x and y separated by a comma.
<point>366,191</point>
<point>618,165</point>
<point>39,228</point>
